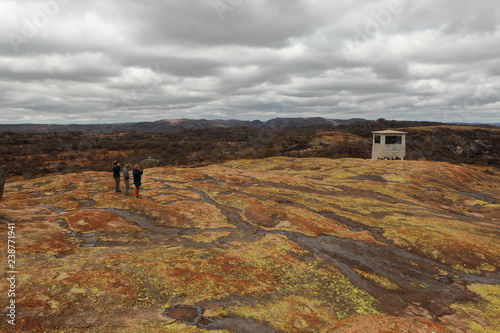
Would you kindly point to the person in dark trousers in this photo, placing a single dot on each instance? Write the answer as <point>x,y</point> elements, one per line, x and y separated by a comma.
<point>126,178</point>
<point>116,175</point>
<point>137,173</point>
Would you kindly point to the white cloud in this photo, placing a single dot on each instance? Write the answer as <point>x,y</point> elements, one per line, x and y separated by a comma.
<point>118,61</point>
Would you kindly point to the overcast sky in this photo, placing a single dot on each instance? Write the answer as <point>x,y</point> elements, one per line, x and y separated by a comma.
<point>109,61</point>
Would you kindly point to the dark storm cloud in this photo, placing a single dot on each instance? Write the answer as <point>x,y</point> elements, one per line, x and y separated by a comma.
<point>117,61</point>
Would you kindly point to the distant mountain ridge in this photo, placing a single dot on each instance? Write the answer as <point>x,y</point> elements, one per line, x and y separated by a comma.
<point>174,125</point>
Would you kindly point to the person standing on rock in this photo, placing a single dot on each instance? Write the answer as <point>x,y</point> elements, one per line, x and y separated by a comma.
<point>137,173</point>
<point>126,178</point>
<point>116,175</point>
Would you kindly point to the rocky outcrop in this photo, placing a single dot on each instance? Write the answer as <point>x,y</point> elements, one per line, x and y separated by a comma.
<point>454,144</point>
<point>297,245</point>
<point>150,163</point>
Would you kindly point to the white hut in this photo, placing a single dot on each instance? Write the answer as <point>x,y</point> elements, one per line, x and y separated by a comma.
<point>389,144</point>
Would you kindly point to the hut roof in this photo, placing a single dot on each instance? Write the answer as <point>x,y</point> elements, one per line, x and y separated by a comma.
<point>389,132</point>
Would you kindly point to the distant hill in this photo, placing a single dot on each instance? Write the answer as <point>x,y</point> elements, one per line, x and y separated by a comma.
<point>466,144</point>
<point>476,124</point>
<point>174,125</point>
<point>35,153</point>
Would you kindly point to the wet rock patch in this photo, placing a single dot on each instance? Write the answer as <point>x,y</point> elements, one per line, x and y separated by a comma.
<point>446,279</point>
<point>193,316</point>
<point>373,178</point>
<point>188,314</point>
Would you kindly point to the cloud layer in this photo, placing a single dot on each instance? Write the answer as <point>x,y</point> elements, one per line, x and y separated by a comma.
<point>68,61</point>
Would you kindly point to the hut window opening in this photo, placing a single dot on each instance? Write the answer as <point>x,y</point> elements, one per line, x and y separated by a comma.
<point>393,140</point>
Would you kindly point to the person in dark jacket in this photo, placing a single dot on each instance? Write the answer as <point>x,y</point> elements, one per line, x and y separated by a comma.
<point>137,173</point>
<point>116,175</point>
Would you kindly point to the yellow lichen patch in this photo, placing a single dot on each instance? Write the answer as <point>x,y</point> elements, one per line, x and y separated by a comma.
<point>158,325</point>
<point>482,316</point>
<point>97,221</point>
<point>379,280</point>
<point>208,188</point>
<point>281,243</point>
<point>48,184</point>
<point>195,215</point>
<point>122,238</point>
<point>466,247</point>
<point>74,288</point>
<point>208,236</point>
<point>174,175</point>
<point>166,198</point>
<point>295,277</point>
<point>374,324</point>
<point>60,201</point>
<point>188,194</point>
<point>254,270</point>
<point>418,285</point>
<point>86,291</point>
<point>112,200</point>
<point>200,275</point>
<point>294,314</point>
<point>229,176</point>
<point>293,311</point>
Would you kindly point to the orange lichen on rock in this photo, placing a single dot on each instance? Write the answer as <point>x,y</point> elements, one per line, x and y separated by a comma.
<point>208,236</point>
<point>187,214</point>
<point>47,242</point>
<point>36,231</point>
<point>97,221</point>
